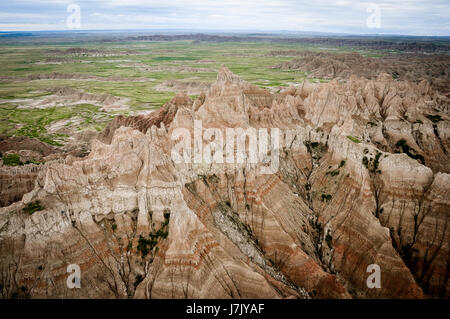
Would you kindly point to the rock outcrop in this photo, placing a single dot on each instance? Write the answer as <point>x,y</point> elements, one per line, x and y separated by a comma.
<point>435,68</point>
<point>143,123</point>
<point>15,181</point>
<point>363,179</point>
<point>189,87</point>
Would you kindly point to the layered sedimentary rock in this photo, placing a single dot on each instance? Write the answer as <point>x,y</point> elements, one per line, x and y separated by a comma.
<point>190,87</point>
<point>359,177</point>
<point>18,180</point>
<point>67,76</point>
<point>63,96</point>
<point>434,68</point>
<point>142,123</point>
<point>17,143</point>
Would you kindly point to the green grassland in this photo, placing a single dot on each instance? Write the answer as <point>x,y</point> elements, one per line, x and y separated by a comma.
<point>248,60</point>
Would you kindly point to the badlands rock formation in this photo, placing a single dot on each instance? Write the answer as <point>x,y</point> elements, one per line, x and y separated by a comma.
<point>435,68</point>
<point>68,76</point>
<point>82,52</point>
<point>363,178</point>
<point>65,96</point>
<point>190,87</point>
<point>19,180</point>
<point>142,67</point>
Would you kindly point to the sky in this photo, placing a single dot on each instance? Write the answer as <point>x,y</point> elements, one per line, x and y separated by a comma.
<point>407,17</point>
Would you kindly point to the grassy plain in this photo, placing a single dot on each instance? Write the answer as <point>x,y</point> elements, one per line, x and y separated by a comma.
<point>248,60</point>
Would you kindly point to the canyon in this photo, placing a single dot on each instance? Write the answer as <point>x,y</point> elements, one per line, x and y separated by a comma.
<point>363,179</point>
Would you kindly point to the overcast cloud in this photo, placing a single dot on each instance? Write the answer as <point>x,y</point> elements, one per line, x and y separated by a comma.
<point>409,17</point>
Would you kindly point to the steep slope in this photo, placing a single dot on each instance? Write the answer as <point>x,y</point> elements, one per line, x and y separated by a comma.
<point>413,67</point>
<point>360,181</point>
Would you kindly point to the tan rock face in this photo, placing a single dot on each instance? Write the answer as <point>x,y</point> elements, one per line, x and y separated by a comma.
<point>15,181</point>
<point>356,185</point>
<point>17,143</point>
<point>142,123</point>
<point>434,68</point>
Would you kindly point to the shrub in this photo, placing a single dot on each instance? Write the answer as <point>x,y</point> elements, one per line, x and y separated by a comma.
<point>138,280</point>
<point>147,245</point>
<point>403,145</point>
<point>167,214</point>
<point>365,162</point>
<point>34,162</point>
<point>329,240</point>
<point>376,163</point>
<point>353,139</point>
<point>372,163</point>
<point>32,207</point>
<point>166,217</point>
<point>142,246</point>
<point>311,145</point>
<point>334,172</point>
<point>434,118</point>
<point>12,160</point>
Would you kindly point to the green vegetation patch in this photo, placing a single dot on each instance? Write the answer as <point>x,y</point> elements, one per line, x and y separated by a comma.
<point>372,163</point>
<point>35,162</point>
<point>34,122</point>
<point>249,60</point>
<point>147,245</point>
<point>174,58</point>
<point>334,172</point>
<point>12,160</point>
<point>353,139</point>
<point>32,207</point>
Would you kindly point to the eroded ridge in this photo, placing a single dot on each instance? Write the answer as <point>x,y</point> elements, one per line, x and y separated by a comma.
<point>362,179</point>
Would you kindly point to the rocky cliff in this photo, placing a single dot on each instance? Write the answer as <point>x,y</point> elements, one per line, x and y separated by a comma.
<point>435,68</point>
<point>362,178</point>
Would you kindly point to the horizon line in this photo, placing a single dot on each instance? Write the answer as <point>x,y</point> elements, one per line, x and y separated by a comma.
<point>242,31</point>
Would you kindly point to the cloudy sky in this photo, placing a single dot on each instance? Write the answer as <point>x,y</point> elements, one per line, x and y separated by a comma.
<point>409,17</point>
